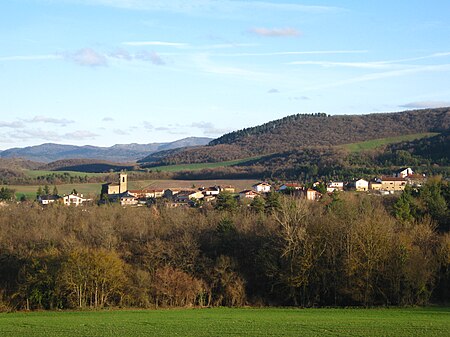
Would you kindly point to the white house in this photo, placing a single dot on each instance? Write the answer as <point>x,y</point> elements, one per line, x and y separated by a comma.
<point>362,185</point>
<point>47,199</point>
<point>290,186</point>
<point>74,199</point>
<point>335,185</point>
<point>313,195</point>
<point>404,172</point>
<point>128,199</point>
<point>248,194</point>
<point>262,187</point>
<point>214,190</point>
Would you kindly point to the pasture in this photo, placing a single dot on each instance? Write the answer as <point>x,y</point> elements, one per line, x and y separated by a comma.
<point>230,322</point>
<point>374,143</point>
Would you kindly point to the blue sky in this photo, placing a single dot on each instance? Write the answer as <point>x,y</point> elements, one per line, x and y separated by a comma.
<point>103,72</point>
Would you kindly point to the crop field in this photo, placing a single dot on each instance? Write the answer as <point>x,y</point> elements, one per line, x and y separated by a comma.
<point>374,143</point>
<point>231,322</point>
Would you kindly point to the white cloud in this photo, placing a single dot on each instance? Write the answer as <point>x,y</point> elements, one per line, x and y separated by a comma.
<point>12,125</point>
<point>121,132</point>
<point>148,125</point>
<point>275,32</point>
<point>209,129</point>
<point>152,56</point>
<point>50,120</point>
<point>87,57</point>
<point>80,135</point>
<point>108,119</point>
<point>273,91</point>
<point>426,104</point>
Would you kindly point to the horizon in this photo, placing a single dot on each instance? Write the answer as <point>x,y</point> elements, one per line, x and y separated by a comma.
<point>107,72</point>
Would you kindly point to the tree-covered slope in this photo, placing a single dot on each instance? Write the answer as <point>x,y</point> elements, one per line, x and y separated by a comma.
<point>307,130</point>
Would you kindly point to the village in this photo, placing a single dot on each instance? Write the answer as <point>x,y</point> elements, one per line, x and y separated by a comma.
<point>119,193</point>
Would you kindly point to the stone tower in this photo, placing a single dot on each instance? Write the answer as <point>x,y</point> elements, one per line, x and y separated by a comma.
<point>123,183</point>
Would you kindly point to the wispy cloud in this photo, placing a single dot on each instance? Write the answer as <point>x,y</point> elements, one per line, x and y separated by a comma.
<point>87,57</point>
<point>51,120</point>
<point>121,132</point>
<point>312,52</point>
<point>121,54</point>
<point>152,56</point>
<point>80,135</point>
<point>209,129</point>
<point>426,104</point>
<point>273,91</point>
<point>12,125</point>
<point>155,43</point>
<point>275,32</point>
<point>368,65</point>
<point>207,6</point>
<point>108,119</point>
<point>383,75</point>
<point>30,57</point>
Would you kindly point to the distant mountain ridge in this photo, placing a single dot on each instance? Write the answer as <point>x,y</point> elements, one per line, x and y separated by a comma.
<point>50,152</point>
<point>306,130</point>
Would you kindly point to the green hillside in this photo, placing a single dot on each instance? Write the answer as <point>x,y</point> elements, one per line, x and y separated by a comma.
<point>375,143</point>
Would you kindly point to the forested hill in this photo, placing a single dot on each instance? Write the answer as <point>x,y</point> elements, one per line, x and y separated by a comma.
<point>306,130</point>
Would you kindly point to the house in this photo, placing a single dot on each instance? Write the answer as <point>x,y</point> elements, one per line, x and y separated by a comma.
<point>262,187</point>
<point>127,199</point>
<point>186,196</point>
<point>312,195</point>
<point>214,190</point>
<point>170,193</point>
<point>375,185</point>
<point>416,180</point>
<point>361,185</point>
<point>404,172</point>
<point>335,186</point>
<point>147,193</point>
<point>290,186</point>
<point>227,188</point>
<point>74,199</point>
<point>248,194</point>
<point>393,183</point>
<point>47,199</point>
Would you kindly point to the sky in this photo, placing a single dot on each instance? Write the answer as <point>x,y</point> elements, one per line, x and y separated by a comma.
<point>105,72</point>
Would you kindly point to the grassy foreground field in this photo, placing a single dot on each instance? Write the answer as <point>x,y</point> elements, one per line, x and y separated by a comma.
<point>231,322</point>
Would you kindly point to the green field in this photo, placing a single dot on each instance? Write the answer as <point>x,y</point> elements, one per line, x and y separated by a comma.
<point>374,143</point>
<point>30,190</point>
<point>231,322</point>
<point>200,166</point>
<point>39,173</point>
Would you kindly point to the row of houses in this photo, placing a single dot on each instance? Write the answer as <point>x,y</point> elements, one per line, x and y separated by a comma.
<point>118,192</point>
<point>72,199</point>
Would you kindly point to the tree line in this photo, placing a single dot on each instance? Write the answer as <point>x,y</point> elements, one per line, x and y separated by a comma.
<point>346,250</point>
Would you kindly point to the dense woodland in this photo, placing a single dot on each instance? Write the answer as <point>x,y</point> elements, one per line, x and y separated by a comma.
<point>306,130</point>
<point>346,250</point>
